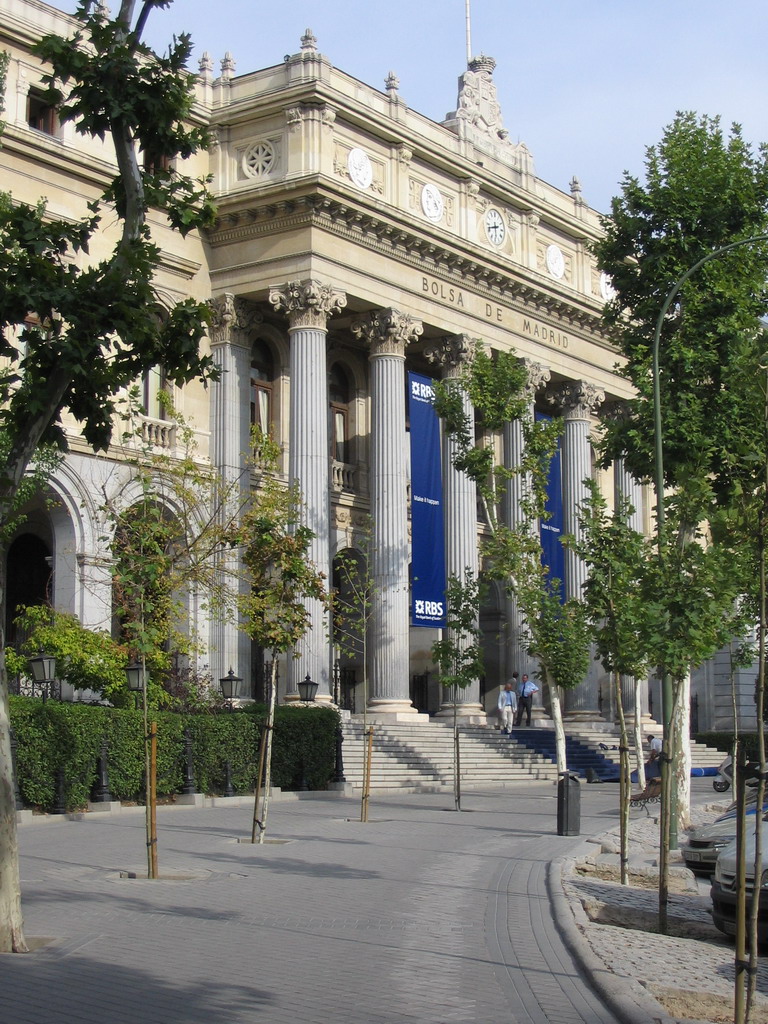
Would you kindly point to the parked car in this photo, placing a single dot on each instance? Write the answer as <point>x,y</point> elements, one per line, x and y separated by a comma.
<point>706,841</point>
<point>724,886</point>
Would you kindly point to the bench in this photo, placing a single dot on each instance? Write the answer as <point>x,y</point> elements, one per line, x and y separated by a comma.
<point>650,795</point>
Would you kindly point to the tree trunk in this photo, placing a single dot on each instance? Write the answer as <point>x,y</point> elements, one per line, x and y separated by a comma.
<point>637,731</point>
<point>624,783</point>
<point>270,728</point>
<point>11,921</point>
<point>557,721</point>
<point>682,764</point>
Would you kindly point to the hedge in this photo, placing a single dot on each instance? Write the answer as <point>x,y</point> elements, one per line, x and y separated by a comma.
<point>54,735</point>
<point>724,741</point>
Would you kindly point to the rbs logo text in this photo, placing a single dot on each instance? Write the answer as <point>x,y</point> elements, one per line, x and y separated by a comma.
<point>430,609</point>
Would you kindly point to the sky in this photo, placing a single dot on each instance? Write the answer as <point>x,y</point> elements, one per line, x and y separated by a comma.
<point>587,85</point>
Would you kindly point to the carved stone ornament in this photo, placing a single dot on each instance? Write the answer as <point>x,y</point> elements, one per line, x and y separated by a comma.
<point>309,42</point>
<point>232,316</point>
<point>452,353</point>
<point>387,331</point>
<point>392,83</point>
<point>228,65</point>
<point>478,103</point>
<point>538,376</point>
<point>294,117</point>
<point>308,304</point>
<point>579,399</point>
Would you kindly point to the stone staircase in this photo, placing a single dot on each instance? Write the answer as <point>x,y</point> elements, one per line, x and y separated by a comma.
<point>419,758</point>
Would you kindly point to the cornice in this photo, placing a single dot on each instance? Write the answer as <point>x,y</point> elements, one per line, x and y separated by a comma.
<point>516,285</point>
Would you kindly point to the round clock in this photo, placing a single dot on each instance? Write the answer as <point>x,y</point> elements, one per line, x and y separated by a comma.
<point>359,167</point>
<point>607,290</point>
<point>494,226</point>
<point>555,261</point>
<point>432,202</point>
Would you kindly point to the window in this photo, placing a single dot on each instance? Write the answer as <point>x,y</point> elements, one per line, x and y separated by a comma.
<point>153,382</point>
<point>40,114</point>
<point>338,392</point>
<point>262,376</point>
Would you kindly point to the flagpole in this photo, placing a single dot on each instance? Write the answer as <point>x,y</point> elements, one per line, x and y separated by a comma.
<point>469,32</point>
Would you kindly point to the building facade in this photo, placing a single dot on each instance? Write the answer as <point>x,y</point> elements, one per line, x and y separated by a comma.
<point>355,240</point>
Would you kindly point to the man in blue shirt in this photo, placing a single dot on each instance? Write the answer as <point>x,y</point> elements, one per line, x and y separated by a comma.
<point>525,694</point>
<point>507,706</point>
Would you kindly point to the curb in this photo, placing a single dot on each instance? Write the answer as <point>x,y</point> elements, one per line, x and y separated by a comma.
<point>627,999</point>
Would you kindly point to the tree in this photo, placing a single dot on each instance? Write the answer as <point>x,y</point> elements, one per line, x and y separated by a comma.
<point>352,608</point>
<point>459,654</point>
<point>90,328</point>
<point>274,548</point>
<point>619,614</point>
<point>556,631</point>
<point>702,192</point>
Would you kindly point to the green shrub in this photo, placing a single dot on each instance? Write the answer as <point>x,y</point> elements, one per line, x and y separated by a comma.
<point>724,742</point>
<point>56,734</point>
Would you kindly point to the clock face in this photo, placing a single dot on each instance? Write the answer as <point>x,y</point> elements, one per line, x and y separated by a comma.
<point>359,167</point>
<point>432,202</point>
<point>494,227</point>
<point>555,261</point>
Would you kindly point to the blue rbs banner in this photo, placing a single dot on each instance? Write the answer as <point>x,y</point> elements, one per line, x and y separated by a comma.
<point>552,552</point>
<point>428,545</point>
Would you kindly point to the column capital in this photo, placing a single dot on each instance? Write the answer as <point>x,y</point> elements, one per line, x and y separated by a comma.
<point>308,304</point>
<point>615,412</point>
<point>232,318</point>
<point>387,331</point>
<point>452,353</point>
<point>538,376</point>
<point>578,399</point>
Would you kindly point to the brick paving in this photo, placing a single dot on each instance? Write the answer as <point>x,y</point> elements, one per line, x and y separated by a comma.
<point>422,915</point>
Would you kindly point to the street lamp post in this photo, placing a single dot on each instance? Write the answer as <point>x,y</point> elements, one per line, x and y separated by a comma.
<point>307,691</point>
<point>136,676</point>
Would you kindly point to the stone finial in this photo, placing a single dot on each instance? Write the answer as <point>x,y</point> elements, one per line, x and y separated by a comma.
<point>309,42</point>
<point>576,190</point>
<point>307,303</point>
<point>387,331</point>
<point>482,64</point>
<point>205,69</point>
<point>392,83</point>
<point>228,66</point>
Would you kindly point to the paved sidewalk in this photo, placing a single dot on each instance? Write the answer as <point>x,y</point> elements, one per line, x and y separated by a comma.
<point>422,915</point>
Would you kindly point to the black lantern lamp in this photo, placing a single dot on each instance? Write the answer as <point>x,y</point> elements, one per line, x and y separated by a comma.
<point>43,669</point>
<point>307,690</point>
<point>230,684</point>
<point>134,673</point>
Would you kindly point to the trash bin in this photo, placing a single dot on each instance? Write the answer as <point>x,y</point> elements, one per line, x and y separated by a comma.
<point>568,805</point>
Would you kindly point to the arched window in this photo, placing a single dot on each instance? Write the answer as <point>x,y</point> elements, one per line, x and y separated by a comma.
<point>262,378</point>
<point>338,393</point>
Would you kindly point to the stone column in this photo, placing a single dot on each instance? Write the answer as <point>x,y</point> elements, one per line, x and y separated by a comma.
<point>233,320</point>
<point>387,332</point>
<point>309,305</point>
<point>459,508</point>
<point>579,400</point>
<point>625,486</point>
<point>518,659</point>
